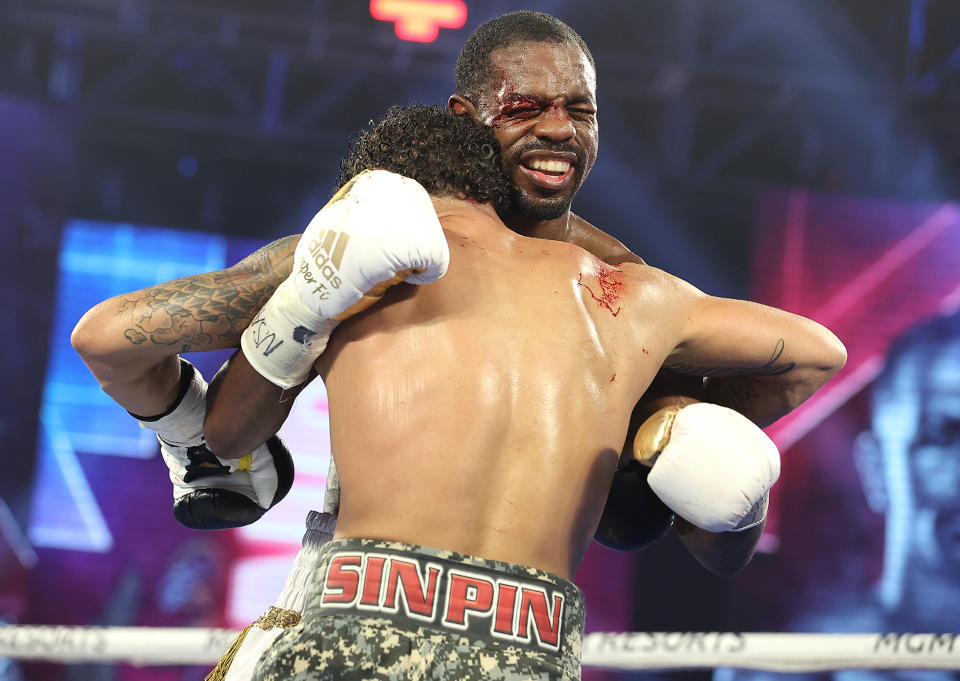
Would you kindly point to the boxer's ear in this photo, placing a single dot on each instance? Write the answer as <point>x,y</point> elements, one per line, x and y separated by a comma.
<point>460,105</point>
<point>868,458</point>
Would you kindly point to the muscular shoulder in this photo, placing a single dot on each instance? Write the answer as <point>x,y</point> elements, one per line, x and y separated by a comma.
<point>654,292</point>
<point>658,281</point>
<point>599,243</point>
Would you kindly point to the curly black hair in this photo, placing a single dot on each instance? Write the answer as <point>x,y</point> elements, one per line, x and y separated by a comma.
<point>449,155</point>
<point>473,62</point>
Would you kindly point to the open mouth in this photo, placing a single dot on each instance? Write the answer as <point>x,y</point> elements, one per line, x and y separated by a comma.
<point>548,171</point>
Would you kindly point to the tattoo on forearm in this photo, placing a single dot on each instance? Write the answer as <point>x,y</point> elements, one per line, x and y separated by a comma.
<point>768,368</point>
<point>208,310</point>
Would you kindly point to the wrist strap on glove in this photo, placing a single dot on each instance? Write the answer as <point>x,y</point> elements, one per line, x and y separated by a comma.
<point>181,424</point>
<point>755,516</point>
<point>209,492</point>
<point>285,338</point>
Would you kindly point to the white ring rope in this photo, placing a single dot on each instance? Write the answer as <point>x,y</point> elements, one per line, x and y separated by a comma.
<point>772,652</point>
<point>642,650</point>
<point>145,646</point>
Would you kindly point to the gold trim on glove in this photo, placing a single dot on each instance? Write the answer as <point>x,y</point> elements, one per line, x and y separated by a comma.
<point>654,434</point>
<point>376,293</point>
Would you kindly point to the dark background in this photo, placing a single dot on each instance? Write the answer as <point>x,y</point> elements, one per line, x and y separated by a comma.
<point>229,118</point>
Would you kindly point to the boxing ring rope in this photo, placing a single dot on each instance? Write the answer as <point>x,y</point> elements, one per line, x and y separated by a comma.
<point>145,646</point>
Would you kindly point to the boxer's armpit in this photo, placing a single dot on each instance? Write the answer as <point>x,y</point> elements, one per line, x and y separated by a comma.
<point>206,311</point>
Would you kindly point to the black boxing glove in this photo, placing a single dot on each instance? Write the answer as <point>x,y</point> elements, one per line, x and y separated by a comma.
<point>210,493</point>
<point>633,517</point>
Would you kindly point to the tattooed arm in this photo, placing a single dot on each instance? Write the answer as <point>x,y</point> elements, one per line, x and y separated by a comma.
<point>760,361</point>
<point>131,342</point>
<point>763,363</point>
<point>762,387</point>
<point>757,360</point>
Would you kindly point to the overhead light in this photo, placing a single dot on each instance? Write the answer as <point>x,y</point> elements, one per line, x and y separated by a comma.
<point>420,20</point>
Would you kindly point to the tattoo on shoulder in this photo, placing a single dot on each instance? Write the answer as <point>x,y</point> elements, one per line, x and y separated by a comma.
<point>769,368</point>
<point>210,310</point>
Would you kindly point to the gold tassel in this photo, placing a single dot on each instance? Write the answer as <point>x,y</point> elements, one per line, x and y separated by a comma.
<point>274,617</point>
<point>219,672</point>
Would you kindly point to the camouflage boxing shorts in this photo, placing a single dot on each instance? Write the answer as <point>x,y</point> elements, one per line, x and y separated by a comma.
<point>392,611</point>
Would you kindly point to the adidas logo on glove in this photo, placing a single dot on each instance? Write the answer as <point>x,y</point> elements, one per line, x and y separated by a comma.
<point>394,236</point>
<point>328,264</point>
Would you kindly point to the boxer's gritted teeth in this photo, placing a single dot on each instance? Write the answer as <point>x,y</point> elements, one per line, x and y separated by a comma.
<point>546,179</point>
<point>543,161</point>
<point>548,165</point>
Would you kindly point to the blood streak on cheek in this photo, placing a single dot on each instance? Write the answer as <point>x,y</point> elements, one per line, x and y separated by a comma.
<point>609,293</point>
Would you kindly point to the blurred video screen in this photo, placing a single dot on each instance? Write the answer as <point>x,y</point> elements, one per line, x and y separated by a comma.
<point>101,493</point>
<point>866,525</point>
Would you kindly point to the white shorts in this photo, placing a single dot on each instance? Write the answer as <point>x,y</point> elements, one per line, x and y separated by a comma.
<point>319,531</point>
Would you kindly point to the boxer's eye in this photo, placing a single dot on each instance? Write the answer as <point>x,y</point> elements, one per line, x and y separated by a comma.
<point>521,110</point>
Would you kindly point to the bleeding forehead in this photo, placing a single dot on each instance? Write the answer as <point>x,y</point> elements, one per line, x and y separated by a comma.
<point>544,70</point>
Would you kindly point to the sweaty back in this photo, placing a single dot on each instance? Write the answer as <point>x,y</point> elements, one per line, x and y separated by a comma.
<point>485,413</point>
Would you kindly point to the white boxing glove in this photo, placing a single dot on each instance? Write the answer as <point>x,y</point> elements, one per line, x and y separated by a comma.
<point>378,230</point>
<point>209,492</point>
<point>711,465</point>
